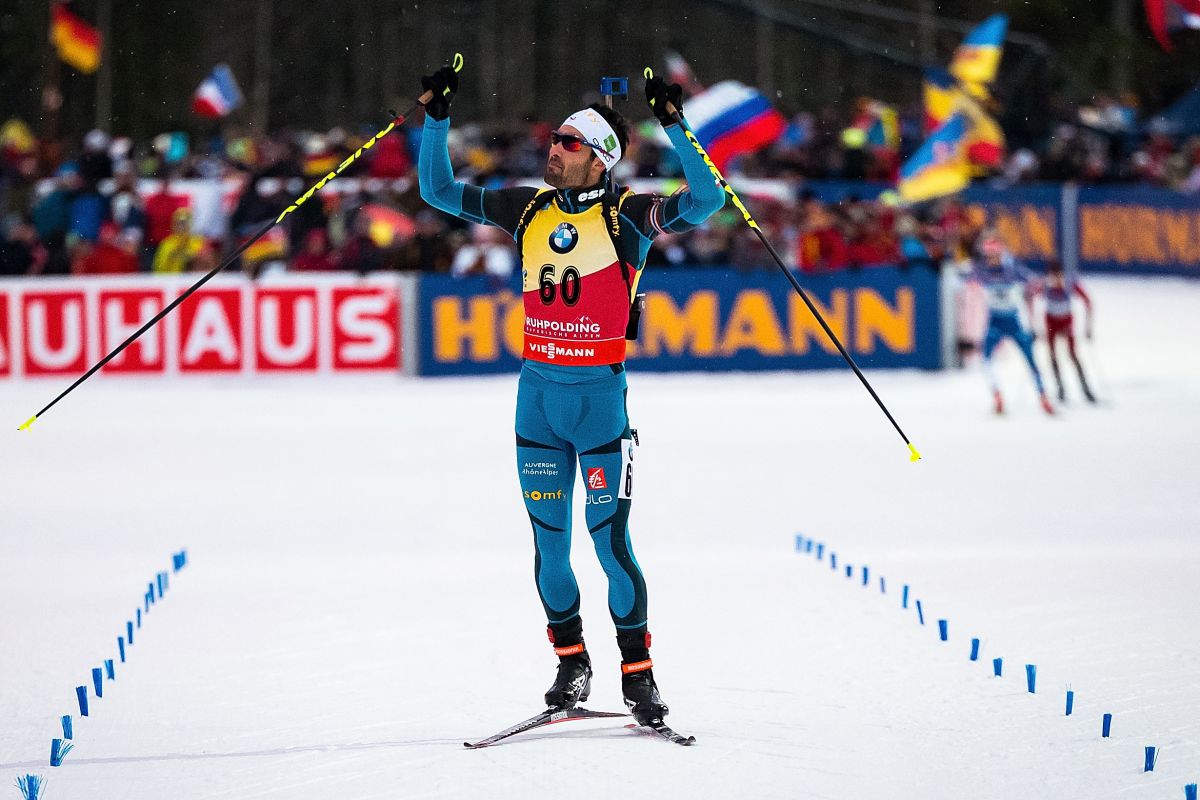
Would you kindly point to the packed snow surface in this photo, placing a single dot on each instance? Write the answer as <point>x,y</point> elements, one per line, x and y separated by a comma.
<point>359,593</point>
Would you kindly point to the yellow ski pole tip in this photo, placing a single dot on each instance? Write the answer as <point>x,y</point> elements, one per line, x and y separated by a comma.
<point>28,422</point>
<point>915,455</point>
<point>647,73</point>
<point>458,62</point>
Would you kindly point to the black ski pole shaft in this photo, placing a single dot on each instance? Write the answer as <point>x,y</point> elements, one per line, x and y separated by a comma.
<point>737,201</point>
<point>397,120</point>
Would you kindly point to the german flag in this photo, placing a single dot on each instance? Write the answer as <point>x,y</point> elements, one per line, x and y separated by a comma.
<point>77,43</point>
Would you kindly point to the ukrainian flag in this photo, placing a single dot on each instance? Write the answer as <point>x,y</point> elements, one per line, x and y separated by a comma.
<point>940,166</point>
<point>941,98</point>
<point>978,57</point>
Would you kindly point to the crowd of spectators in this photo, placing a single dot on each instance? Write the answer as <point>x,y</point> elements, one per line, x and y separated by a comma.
<point>176,204</point>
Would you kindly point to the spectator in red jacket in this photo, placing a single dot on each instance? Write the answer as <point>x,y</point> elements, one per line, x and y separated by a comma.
<point>110,255</point>
<point>315,257</point>
<point>160,209</point>
<point>820,246</point>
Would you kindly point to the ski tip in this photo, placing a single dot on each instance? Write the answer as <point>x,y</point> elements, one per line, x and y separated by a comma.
<point>913,450</point>
<point>28,423</point>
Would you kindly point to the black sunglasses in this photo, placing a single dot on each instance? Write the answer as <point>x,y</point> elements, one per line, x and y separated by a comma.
<point>572,143</point>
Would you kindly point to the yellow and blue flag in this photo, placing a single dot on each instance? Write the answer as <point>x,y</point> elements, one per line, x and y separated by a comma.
<point>940,166</point>
<point>978,57</point>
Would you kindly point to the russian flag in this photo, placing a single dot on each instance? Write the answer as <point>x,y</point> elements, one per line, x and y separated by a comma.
<point>978,57</point>
<point>940,166</point>
<point>218,94</point>
<point>730,118</point>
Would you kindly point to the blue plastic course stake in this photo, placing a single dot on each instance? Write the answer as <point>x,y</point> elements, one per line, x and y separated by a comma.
<point>1106,726</point>
<point>998,666</point>
<point>920,613</point>
<point>121,648</point>
<point>820,552</point>
<point>1151,758</point>
<point>30,786</point>
<point>882,585</point>
<point>81,694</point>
<point>943,629</point>
<point>1070,702</point>
<point>58,751</point>
<point>1031,677</point>
<point>129,632</point>
<point>68,728</point>
<point>808,546</point>
<point>904,597</point>
<point>974,649</point>
<point>162,584</point>
<point>98,681</point>
<point>833,560</point>
<point>1189,792</point>
<point>109,672</point>
<point>866,576</point>
<point>139,622</point>
<point>799,543</point>
<point>849,571</point>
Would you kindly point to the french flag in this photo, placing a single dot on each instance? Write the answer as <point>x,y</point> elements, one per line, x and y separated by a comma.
<point>218,94</point>
<point>730,118</point>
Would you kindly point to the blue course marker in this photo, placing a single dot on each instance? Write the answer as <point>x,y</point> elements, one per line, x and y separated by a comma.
<point>974,649</point>
<point>98,681</point>
<point>808,546</point>
<point>1106,726</point>
<point>833,560</point>
<point>68,728</point>
<point>904,597</point>
<point>1151,758</point>
<point>109,672</point>
<point>129,632</point>
<point>58,751</point>
<point>866,576</point>
<point>799,543</point>
<point>139,622</point>
<point>1070,702</point>
<point>943,629</point>
<point>820,552</point>
<point>30,786</point>
<point>998,666</point>
<point>1031,677</point>
<point>920,613</point>
<point>121,648</point>
<point>81,694</point>
<point>1189,792</point>
<point>882,585</point>
<point>849,571</point>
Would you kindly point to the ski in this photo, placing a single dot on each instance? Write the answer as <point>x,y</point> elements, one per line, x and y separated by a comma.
<point>664,730</point>
<point>547,717</point>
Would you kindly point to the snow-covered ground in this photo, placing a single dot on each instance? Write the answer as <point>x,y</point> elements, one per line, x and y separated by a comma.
<point>359,595</point>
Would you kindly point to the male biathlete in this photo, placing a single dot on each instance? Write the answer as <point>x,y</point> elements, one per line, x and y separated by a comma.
<point>582,245</point>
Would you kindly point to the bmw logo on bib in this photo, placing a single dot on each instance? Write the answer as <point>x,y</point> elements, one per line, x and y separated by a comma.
<point>563,238</point>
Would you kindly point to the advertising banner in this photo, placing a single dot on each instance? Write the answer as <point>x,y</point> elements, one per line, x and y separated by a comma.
<point>705,319</point>
<point>302,324</point>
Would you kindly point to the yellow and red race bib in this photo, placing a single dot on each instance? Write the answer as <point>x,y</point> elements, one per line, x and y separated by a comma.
<point>575,292</point>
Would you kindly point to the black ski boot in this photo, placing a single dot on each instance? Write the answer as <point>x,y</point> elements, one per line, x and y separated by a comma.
<point>637,678</point>
<point>573,683</point>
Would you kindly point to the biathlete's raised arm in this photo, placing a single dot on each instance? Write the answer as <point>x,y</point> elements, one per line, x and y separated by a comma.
<point>645,215</point>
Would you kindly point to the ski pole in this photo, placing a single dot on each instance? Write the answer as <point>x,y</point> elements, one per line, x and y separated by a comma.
<point>737,201</point>
<point>397,120</point>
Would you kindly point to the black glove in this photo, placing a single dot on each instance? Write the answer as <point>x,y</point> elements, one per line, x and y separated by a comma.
<point>658,94</point>
<point>443,84</point>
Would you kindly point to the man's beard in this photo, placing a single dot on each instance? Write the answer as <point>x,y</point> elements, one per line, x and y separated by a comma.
<point>564,178</point>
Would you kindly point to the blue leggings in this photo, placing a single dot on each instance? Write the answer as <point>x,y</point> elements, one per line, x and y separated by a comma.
<point>1001,326</point>
<point>558,425</point>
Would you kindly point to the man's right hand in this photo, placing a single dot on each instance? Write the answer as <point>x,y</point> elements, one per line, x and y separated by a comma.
<point>443,84</point>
